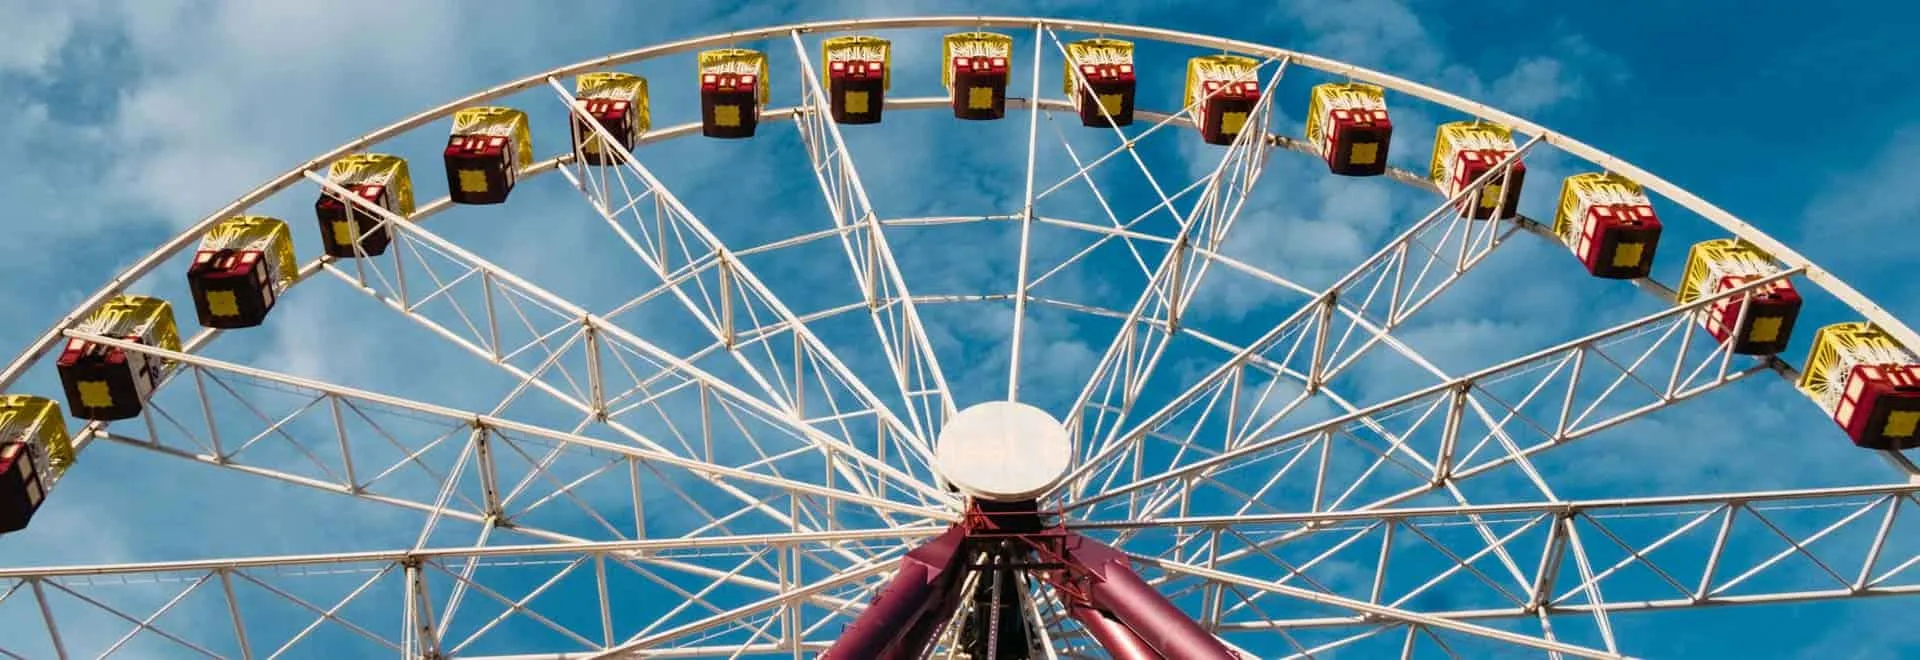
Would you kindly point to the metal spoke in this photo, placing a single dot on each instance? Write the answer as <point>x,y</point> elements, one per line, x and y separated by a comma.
<point>627,193</point>
<point>1312,328</point>
<point>896,320</point>
<point>669,372</point>
<point>1123,370</point>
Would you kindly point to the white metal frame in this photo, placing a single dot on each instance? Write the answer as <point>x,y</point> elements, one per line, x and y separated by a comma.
<point>848,502</point>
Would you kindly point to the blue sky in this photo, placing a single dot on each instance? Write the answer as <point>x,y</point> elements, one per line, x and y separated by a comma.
<point>136,122</point>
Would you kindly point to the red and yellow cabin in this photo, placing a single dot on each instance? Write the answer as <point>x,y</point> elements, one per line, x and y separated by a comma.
<point>859,72</point>
<point>733,89</point>
<point>1106,66</point>
<point>1464,150</point>
<point>243,265</point>
<point>618,101</point>
<point>977,65</point>
<point>1222,91</point>
<point>484,154</point>
<point>378,180</point>
<point>106,383</point>
<point>1348,123</point>
<point>34,449</point>
<point>1727,263</point>
<point>1868,383</point>
<point>1607,222</point>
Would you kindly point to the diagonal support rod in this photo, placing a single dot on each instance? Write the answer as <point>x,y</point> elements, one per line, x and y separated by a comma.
<point>736,271</point>
<point>916,368</point>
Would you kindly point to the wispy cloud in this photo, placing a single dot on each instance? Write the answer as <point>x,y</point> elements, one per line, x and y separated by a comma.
<point>140,120</point>
<point>1845,224</point>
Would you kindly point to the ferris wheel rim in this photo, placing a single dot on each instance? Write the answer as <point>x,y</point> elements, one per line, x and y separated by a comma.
<point>206,337</point>
<point>1803,269</point>
<point>202,340</point>
<point>1812,272</point>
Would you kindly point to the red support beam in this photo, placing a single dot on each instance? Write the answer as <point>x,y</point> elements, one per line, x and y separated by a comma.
<point>1114,636</point>
<point>1116,590</point>
<point>910,610</point>
<point>1097,583</point>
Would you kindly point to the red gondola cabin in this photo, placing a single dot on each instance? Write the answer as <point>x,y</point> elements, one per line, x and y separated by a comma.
<point>618,101</point>
<point>1349,124</point>
<point>1868,383</point>
<point>1223,91</point>
<point>1465,150</point>
<point>1107,67</point>
<point>859,70</point>
<point>377,180</point>
<point>23,478</point>
<point>976,75</point>
<point>1608,223</point>
<point>109,383</point>
<point>1724,264</point>
<point>484,154</point>
<point>242,266</point>
<point>1880,406</point>
<point>733,87</point>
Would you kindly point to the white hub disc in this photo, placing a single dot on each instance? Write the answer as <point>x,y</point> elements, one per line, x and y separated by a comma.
<point>1003,451</point>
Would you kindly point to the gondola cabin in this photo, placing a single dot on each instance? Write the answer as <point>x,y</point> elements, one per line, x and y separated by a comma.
<point>243,265</point>
<point>977,65</point>
<point>618,102</point>
<point>105,383</point>
<point>1868,383</point>
<point>859,72</point>
<point>1222,91</point>
<point>347,228</point>
<point>1099,79</point>
<point>1608,223</point>
<point>485,151</point>
<point>733,90</point>
<point>1348,123</point>
<point>34,449</point>
<point>1722,264</point>
<point>1464,150</point>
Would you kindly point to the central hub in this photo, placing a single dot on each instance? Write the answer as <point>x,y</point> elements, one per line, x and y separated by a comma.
<point>1003,451</point>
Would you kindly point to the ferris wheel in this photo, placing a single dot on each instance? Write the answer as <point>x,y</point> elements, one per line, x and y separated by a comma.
<point>855,423</point>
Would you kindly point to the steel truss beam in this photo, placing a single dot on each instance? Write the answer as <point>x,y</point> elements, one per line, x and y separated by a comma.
<point>1594,558</point>
<point>1447,403</point>
<point>260,606</point>
<point>214,376</point>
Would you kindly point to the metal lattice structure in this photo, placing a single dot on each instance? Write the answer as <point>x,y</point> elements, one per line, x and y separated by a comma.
<point>794,442</point>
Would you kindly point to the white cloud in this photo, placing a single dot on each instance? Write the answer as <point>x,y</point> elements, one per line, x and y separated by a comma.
<point>212,97</point>
<point>34,33</point>
<point>1850,215</point>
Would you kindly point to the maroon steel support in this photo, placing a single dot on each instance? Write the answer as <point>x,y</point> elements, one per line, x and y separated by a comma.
<point>1114,636</point>
<point>903,619</point>
<point>1124,614</point>
<point>1115,589</point>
